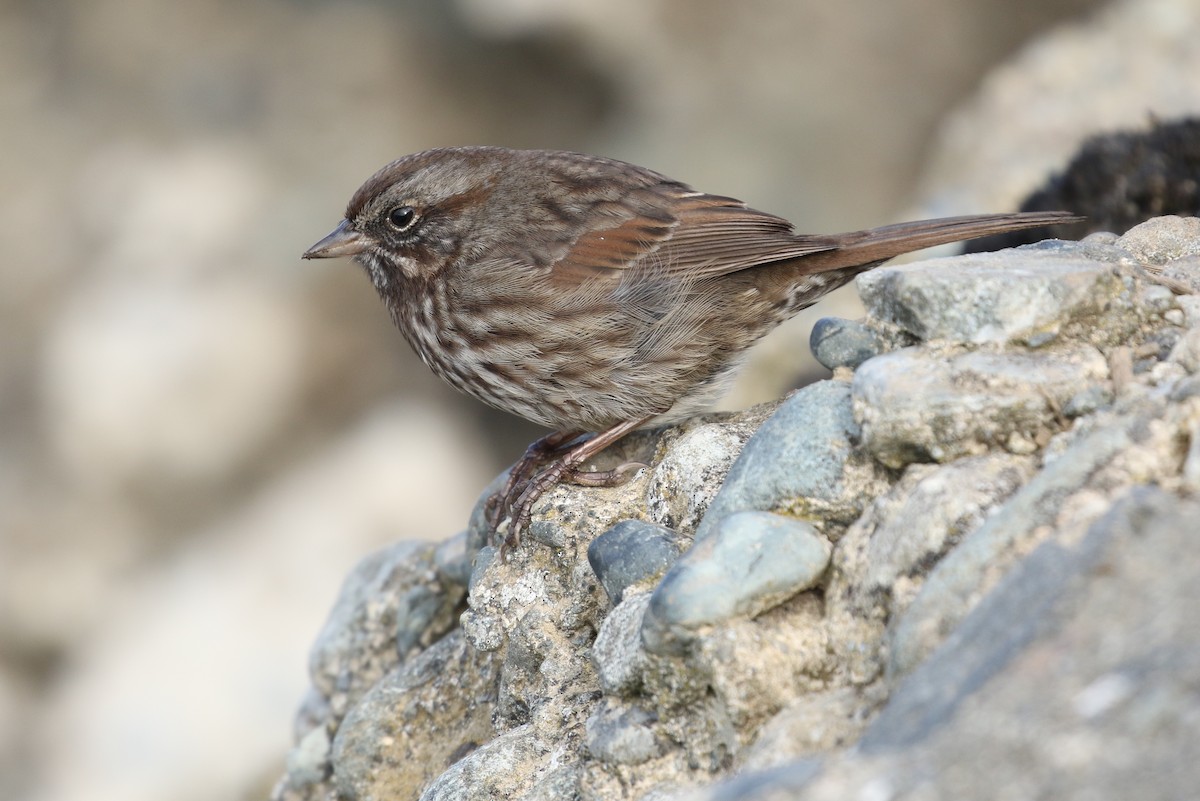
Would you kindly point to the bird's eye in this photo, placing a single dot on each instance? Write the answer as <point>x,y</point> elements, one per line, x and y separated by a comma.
<point>402,217</point>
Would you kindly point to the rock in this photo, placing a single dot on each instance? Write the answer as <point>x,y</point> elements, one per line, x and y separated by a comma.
<point>801,462</point>
<point>1043,646</point>
<point>622,735</point>
<point>631,552</point>
<point>382,748</point>
<point>881,562</point>
<point>487,772</point>
<point>848,595</point>
<point>750,563</point>
<point>1041,656</point>
<point>1163,240</point>
<point>684,483</point>
<point>844,343</point>
<point>921,405</point>
<point>1186,272</point>
<point>1002,297</point>
<point>1102,458</point>
<point>358,643</point>
<point>617,651</point>
<point>454,560</point>
<point>1187,351</point>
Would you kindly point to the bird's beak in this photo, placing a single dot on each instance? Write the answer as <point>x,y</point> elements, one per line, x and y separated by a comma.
<point>344,241</point>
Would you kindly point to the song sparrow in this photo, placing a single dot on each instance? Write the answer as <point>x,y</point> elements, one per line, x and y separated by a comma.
<point>587,294</point>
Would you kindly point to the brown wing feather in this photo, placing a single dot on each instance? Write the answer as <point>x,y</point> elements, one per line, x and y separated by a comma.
<point>682,234</point>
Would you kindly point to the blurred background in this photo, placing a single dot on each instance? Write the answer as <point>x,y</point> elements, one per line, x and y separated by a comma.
<point>200,434</point>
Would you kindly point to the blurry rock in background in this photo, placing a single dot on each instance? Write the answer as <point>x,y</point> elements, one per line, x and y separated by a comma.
<point>201,434</point>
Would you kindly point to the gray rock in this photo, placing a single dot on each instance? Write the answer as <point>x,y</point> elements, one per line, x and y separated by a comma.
<point>1185,271</point>
<point>454,560</point>
<point>881,562</point>
<point>357,644</point>
<point>1187,351</point>
<point>920,405</point>
<point>622,735</point>
<point>801,461</point>
<point>630,552</point>
<point>1001,297</point>
<point>382,748</point>
<point>487,773</point>
<point>1040,662</point>
<point>617,651</point>
<point>1163,240</point>
<point>752,562</point>
<point>684,483</point>
<point>844,343</point>
<point>960,580</point>
<point>308,762</point>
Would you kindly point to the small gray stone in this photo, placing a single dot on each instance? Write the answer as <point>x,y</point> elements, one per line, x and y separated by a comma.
<point>453,560</point>
<point>752,562</point>
<point>1163,239</point>
<point>622,735</point>
<point>1187,351</point>
<point>488,771</point>
<point>483,558</point>
<point>992,297</point>
<point>801,461</point>
<point>836,342</point>
<point>416,611</point>
<point>918,405</point>
<point>1184,270</point>
<point>881,561</point>
<point>308,762</point>
<point>1088,400</point>
<point>357,644</point>
<point>684,483</point>
<point>630,552</point>
<point>617,651</point>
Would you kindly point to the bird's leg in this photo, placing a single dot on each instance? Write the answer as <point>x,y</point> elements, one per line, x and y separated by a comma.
<point>604,478</point>
<point>564,469</point>
<point>541,451</point>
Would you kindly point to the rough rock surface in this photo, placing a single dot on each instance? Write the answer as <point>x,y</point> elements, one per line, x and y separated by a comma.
<point>965,565</point>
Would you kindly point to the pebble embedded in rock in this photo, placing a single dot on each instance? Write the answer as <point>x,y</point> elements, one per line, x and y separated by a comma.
<point>630,552</point>
<point>622,736</point>
<point>752,562</point>
<point>918,405</point>
<point>684,483</point>
<point>1163,239</point>
<point>1010,296</point>
<point>836,342</point>
<point>453,560</point>
<point>802,461</point>
<point>617,650</point>
<point>357,644</point>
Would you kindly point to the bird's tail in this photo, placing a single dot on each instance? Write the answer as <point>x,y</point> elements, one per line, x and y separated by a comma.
<point>875,245</point>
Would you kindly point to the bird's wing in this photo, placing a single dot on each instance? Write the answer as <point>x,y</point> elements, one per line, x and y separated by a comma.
<point>674,232</point>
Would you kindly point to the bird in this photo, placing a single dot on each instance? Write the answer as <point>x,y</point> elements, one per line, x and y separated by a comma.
<point>590,295</point>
